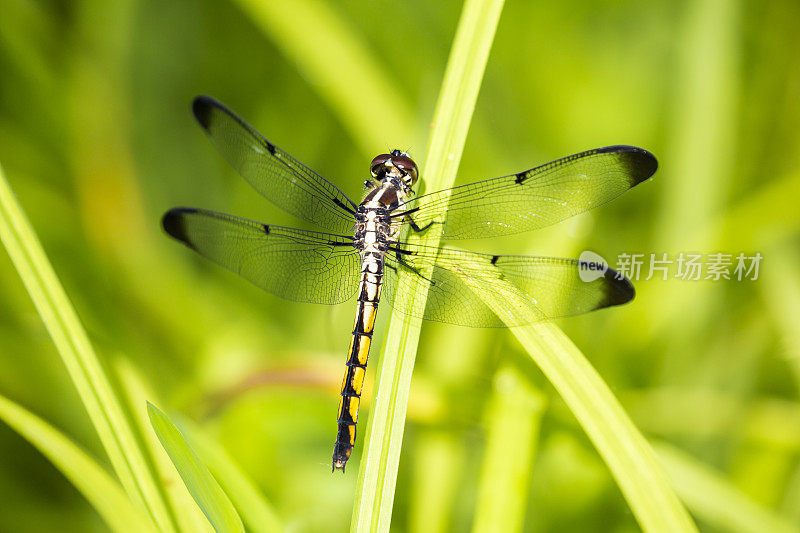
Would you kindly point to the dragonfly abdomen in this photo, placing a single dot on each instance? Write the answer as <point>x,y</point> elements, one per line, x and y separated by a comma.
<point>357,355</point>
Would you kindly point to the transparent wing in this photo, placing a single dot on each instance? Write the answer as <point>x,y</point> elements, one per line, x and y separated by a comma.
<point>535,198</point>
<point>275,174</point>
<point>553,285</point>
<point>303,266</point>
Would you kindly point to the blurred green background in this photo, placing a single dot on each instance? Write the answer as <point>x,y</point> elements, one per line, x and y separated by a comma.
<point>97,140</point>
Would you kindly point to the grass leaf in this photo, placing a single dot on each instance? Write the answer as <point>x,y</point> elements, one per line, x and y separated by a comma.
<point>324,39</point>
<point>715,499</point>
<point>101,490</point>
<point>187,514</point>
<point>259,515</point>
<point>98,396</point>
<point>256,511</point>
<point>201,484</point>
<point>628,455</point>
<point>513,418</point>
<point>431,508</point>
<point>462,80</point>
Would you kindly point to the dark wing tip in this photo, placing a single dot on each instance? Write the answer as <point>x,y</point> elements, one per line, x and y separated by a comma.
<point>619,289</point>
<point>640,163</point>
<point>173,223</point>
<point>201,107</point>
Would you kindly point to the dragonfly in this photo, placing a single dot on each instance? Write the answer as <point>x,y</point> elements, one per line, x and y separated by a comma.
<point>364,250</point>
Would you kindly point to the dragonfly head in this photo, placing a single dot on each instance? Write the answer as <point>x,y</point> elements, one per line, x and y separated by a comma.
<point>397,165</point>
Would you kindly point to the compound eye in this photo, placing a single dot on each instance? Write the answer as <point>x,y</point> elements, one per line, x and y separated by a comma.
<point>406,165</point>
<point>378,162</point>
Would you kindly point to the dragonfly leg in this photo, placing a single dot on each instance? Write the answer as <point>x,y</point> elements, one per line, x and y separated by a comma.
<point>399,254</point>
<point>414,225</point>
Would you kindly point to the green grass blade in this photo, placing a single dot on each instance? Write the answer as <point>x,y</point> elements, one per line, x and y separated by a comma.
<point>705,123</point>
<point>431,509</point>
<point>201,484</point>
<point>628,455</point>
<point>85,370</point>
<point>782,295</point>
<point>356,88</point>
<point>715,500</point>
<point>513,419</point>
<point>697,170</point>
<point>462,80</point>
<point>259,515</point>
<point>102,491</point>
<point>185,511</point>
<point>255,510</point>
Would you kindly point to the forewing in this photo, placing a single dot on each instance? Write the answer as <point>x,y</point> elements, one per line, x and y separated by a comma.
<point>552,285</point>
<point>535,198</point>
<point>303,266</point>
<point>275,174</point>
